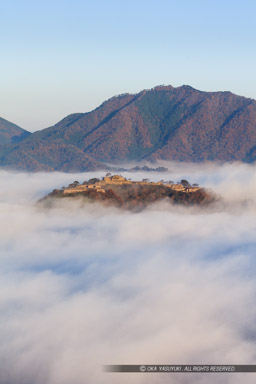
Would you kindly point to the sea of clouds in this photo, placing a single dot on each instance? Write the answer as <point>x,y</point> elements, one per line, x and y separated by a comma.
<point>82,285</point>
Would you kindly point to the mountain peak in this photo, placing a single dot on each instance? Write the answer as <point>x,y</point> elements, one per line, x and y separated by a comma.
<point>163,88</point>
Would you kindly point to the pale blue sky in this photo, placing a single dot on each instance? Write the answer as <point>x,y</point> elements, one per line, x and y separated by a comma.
<point>65,56</point>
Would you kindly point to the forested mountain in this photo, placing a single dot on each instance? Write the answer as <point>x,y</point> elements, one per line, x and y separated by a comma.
<point>181,124</point>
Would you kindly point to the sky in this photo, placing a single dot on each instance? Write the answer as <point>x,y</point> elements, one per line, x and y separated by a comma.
<point>85,285</point>
<point>60,56</point>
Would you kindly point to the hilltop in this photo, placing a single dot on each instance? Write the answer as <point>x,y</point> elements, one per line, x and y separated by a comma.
<point>118,191</point>
<point>11,133</point>
<point>181,124</point>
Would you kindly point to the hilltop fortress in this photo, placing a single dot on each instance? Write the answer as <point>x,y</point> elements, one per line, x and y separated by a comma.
<point>117,191</point>
<point>117,180</point>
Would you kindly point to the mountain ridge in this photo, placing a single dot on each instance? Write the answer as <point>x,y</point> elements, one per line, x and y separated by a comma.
<point>162,123</point>
<point>11,133</point>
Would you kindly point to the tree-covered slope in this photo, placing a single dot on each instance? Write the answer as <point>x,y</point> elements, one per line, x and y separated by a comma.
<point>11,133</point>
<point>169,123</point>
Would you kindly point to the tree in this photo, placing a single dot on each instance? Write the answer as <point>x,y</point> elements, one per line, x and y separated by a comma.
<point>161,169</point>
<point>185,183</point>
<point>94,180</point>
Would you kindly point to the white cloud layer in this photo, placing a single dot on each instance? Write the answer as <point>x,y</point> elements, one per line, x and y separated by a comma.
<point>83,286</point>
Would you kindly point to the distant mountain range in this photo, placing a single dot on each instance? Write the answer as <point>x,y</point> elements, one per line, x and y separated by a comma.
<point>181,124</point>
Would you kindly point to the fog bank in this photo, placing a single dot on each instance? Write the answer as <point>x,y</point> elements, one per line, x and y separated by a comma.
<point>82,286</point>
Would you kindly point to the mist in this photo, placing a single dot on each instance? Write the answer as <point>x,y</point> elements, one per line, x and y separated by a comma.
<point>85,285</point>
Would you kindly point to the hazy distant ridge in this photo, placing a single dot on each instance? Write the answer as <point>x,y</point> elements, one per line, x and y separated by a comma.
<point>11,133</point>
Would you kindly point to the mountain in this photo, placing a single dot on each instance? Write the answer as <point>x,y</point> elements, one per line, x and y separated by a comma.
<point>11,133</point>
<point>181,124</point>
